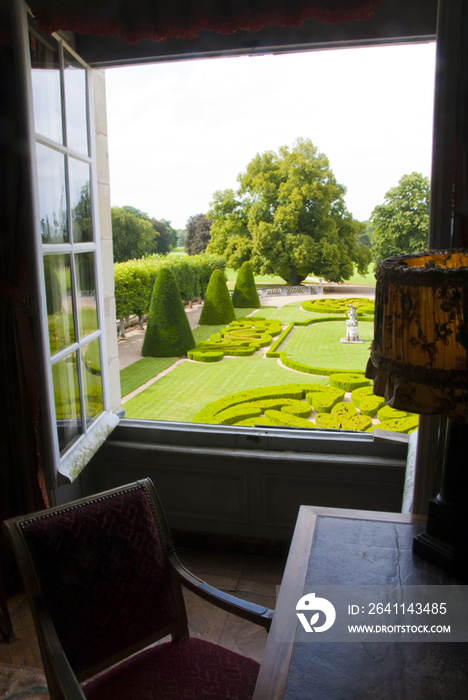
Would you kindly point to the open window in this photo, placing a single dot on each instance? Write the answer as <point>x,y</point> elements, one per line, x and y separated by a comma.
<point>67,237</point>
<point>67,247</point>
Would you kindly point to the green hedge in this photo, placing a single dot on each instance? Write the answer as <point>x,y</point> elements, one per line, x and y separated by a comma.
<point>245,292</point>
<point>272,352</point>
<point>230,416</point>
<point>360,393</point>
<point>134,279</point>
<point>217,307</point>
<point>339,306</point>
<point>168,333</point>
<point>240,338</point>
<point>321,371</point>
<point>344,410</point>
<point>400,425</point>
<point>323,401</point>
<point>360,422</point>
<point>327,421</point>
<point>370,405</point>
<point>209,356</point>
<point>389,413</point>
<point>288,391</point>
<point>348,380</point>
<point>282,406</point>
<point>282,418</point>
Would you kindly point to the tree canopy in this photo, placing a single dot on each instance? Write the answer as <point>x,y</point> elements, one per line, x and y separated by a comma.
<point>198,234</point>
<point>402,221</point>
<point>288,217</point>
<point>135,235</point>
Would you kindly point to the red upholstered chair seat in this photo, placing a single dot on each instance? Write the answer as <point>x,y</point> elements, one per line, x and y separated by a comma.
<point>190,670</point>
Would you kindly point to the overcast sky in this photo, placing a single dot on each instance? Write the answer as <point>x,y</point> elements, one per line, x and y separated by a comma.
<point>180,131</point>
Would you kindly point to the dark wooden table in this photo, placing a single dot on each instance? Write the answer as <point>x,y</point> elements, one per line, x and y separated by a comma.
<point>347,547</point>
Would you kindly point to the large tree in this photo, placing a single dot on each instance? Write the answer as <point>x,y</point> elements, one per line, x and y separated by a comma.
<point>164,240</point>
<point>135,234</point>
<point>289,218</point>
<point>402,221</point>
<point>132,233</point>
<point>198,234</point>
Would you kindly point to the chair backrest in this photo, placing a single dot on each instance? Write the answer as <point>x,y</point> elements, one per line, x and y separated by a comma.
<point>100,567</point>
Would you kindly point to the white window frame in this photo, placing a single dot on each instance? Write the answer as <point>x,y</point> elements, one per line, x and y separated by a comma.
<point>67,466</point>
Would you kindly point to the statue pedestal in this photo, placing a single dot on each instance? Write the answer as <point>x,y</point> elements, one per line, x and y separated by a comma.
<point>352,342</point>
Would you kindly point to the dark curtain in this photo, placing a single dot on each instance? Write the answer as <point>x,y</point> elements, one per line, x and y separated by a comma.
<point>21,483</point>
<point>157,20</point>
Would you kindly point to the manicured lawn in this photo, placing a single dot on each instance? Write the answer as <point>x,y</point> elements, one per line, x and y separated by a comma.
<point>180,394</point>
<point>142,371</point>
<point>319,345</point>
<point>180,250</point>
<point>145,369</point>
<point>368,279</point>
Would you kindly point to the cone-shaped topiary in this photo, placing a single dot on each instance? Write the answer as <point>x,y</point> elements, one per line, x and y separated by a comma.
<point>218,306</point>
<point>245,292</point>
<point>168,332</point>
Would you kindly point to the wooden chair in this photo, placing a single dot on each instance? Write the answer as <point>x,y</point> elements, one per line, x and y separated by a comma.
<point>104,584</point>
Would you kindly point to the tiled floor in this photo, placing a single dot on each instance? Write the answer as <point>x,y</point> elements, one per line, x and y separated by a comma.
<point>250,577</point>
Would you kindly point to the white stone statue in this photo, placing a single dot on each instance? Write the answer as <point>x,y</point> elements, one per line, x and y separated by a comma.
<point>352,327</point>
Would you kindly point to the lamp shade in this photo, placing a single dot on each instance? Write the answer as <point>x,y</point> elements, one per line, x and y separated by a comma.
<point>419,354</point>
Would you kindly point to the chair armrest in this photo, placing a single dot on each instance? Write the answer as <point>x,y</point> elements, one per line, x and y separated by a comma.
<point>64,679</point>
<point>248,611</point>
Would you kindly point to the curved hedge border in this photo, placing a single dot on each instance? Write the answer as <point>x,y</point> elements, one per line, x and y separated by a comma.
<point>348,380</point>
<point>213,356</point>
<point>272,352</point>
<point>285,391</point>
<point>239,338</point>
<point>285,406</point>
<point>388,413</point>
<point>340,306</point>
<point>322,371</point>
<point>134,279</point>
<point>323,400</point>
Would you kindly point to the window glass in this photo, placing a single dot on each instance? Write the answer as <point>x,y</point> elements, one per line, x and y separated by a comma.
<point>86,293</point>
<point>67,401</point>
<point>80,200</point>
<point>59,301</point>
<point>46,88</point>
<point>52,195</point>
<point>92,385</point>
<point>75,104</point>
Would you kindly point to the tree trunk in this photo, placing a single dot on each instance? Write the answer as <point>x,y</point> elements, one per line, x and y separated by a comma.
<point>293,276</point>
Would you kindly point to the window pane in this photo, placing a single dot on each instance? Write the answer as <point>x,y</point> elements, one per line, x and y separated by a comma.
<point>86,293</point>
<point>92,385</point>
<point>59,301</point>
<point>46,88</point>
<point>67,401</point>
<point>52,195</point>
<point>80,200</point>
<point>75,104</point>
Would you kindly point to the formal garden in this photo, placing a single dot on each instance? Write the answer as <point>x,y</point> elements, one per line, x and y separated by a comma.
<point>245,365</point>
